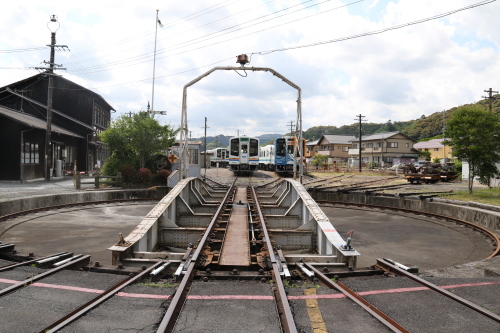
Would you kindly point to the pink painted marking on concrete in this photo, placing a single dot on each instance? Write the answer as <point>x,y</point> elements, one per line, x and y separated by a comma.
<point>253,297</point>
<point>317,296</point>
<point>329,230</point>
<point>121,294</point>
<point>451,286</point>
<point>57,286</point>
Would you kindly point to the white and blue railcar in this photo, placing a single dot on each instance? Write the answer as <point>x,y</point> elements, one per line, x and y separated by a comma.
<point>243,154</point>
<point>279,156</point>
<point>266,157</point>
<point>220,156</point>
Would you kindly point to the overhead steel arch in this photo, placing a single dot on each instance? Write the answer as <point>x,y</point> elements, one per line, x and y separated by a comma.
<point>184,159</point>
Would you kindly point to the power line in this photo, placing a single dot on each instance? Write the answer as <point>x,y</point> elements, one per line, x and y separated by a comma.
<point>197,40</point>
<point>378,31</point>
<point>312,44</point>
<point>23,50</point>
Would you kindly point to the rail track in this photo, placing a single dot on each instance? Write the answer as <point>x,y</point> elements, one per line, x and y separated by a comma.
<point>202,267</point>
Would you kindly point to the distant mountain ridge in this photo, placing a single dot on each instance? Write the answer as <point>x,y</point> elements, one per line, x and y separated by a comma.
<point>421,129</point>
<point>418,129</point>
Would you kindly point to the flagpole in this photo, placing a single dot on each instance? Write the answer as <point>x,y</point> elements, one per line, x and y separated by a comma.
<point>154,65</point>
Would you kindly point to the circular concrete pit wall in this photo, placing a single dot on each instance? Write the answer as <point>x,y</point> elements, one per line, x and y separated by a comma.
<point>480,214</point>
<point>9,206</point>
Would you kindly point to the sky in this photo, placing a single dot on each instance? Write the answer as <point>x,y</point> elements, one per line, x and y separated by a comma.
<point>421,61</point>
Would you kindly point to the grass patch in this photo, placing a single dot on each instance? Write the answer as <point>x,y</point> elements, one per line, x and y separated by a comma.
<point>489,196</point>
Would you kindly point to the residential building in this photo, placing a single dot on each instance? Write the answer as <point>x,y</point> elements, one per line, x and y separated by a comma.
<point>311,149</point>
<point>336,147</point>
<point>436,148</point>
<point>78,117</point>
<point>384,149</point>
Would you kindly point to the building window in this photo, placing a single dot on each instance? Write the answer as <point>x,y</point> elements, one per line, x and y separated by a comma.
<point>369,145</point>
<point>345,148</point>
<point>364,159</point>
<point>380,144</point>
<point>426,149</point>
<point>354,145</point>
<point>407,145</point>
<point>362,145</point>
<point>388,159</point>
<point>392,144</point>
<point>436,149</point>
<point>31,154</point>
<point>339,147</point>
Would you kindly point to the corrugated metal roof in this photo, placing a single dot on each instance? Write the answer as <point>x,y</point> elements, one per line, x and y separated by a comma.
<point>31,121</point>
<point>434,143</point>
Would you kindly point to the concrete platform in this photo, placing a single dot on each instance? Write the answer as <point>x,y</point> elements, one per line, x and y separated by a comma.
<point>34,307</point>
<point>409,239</point>
<point>82,230</point>
<point>250,309</point>
<point>421,310</point>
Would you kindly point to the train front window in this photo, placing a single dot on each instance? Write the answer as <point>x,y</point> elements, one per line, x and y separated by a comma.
<point>254,147</point>
<point>244,148</point>
<point>218,153</point>
<point>235,147</point>
<point>280,147</point>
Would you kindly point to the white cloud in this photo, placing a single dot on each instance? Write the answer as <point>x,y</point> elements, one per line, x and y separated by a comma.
<point>397,75</point>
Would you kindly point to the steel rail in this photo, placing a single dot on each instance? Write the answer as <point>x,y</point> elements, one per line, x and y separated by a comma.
<point>24,263</point>
<point>394,269</point>
<point>362,183</point>
<point>75,263</point>
<point>77,313</point>
<point>476,227</point>
<point>168,322</point>
<point>281,298</point>
<point>46,208</point>
<point>379,315</point>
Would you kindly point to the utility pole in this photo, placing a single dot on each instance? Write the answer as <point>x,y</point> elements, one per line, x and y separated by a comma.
<point>291,127</point>
<point>205,156</point>
<point>360,119</point>
<point>53,25</point>
<point>490,96</point>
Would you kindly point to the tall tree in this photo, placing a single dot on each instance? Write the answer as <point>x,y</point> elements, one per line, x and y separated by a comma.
<point>474,134</point>
<point>137,138</point>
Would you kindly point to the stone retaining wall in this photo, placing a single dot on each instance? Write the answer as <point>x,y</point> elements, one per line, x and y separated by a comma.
<point>9,206</point>
<point>483,215</point>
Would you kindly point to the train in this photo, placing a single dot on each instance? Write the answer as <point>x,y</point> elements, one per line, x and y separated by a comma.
<point>244,154</point>
<point>281,156</point>
<point>219,155</point>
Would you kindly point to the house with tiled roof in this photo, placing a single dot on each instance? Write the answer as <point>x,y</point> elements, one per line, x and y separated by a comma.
<point>336,147</point>
<point>383,149</point>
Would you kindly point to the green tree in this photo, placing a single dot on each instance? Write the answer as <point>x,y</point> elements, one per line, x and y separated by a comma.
<point>424,154</point>
<point>137,139</point>
<point>474,134</point>
<point>319,159</point>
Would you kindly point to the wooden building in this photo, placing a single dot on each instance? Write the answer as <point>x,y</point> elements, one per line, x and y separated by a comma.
<point>78,117</point>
